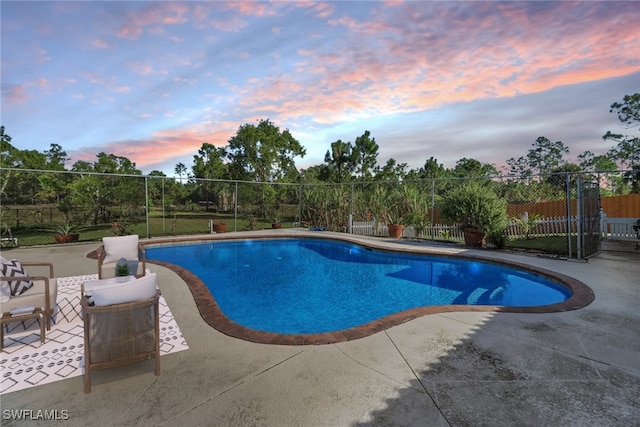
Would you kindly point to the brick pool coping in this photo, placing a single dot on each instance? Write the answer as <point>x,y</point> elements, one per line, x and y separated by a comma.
<point>581,294</point>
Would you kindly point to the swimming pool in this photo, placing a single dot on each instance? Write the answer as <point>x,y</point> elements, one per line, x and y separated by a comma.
<point>319,286</point>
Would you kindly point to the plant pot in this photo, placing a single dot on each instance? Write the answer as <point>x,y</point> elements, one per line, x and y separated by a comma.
<point>67,238</point>
<point>474,238</point>
<point>219,228</point>
<point>276,225</point>
<point>395,230</point>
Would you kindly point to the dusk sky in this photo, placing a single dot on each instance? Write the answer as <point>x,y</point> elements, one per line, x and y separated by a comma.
<point>152,81</point>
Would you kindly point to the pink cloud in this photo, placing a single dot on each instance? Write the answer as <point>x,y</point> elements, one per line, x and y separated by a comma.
<point>129,30</point>
<point>41,83</point>
<point>153,17</point>
<point>14,93</point>
<point>149,151</point>
<point>100,43</point>
<point>413,68</point>
<point>322,10</point>
<point>229,25</point>
<point>252,8</point>
<point>93,77</point>
<point>144,69</point>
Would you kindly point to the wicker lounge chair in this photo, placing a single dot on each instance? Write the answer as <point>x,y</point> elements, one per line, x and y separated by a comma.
<point>42,293</point>
<point>120,334</point>
<point>115,248</point>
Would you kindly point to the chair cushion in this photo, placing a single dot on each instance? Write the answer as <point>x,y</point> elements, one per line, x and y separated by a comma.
<point>35,296</point>
<point>120,247</point>
<point>110,291</point>
<point>13,268</point>
<point>5,291</point>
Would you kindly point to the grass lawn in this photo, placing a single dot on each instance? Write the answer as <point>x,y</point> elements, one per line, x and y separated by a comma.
<point>198,223</point>
<point>179,223</point>
<point>548,244</point>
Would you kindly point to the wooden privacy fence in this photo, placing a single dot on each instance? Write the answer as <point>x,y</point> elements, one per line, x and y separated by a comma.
<point>627,206</point>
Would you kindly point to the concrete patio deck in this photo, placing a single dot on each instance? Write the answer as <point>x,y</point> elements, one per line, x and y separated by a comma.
<point>575,368</point>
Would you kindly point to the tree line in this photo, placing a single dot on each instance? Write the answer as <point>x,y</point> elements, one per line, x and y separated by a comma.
<point>262,152</point>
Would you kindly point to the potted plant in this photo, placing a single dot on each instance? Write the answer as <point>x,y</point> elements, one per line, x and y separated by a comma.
<point>276,210</point>
<point>395,230</point>
<point>67,233</point>
<point>400,202</point>
<point>477,209</point>
<point>122,272</point>
<point>220,227</point>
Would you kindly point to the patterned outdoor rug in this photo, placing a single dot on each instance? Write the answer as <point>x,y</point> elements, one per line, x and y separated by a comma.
<point>24,362</point>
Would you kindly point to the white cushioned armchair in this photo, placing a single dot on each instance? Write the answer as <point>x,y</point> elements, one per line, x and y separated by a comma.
<point>42,293</point>
<point>115,248</point>
<point>123,325</point>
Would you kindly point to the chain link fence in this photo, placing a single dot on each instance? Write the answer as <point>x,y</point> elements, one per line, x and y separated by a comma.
<point>543,212</point>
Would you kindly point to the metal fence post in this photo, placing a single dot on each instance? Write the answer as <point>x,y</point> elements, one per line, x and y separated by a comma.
<point>433,207</point>
<point>146,202</point>
<point>351,207</point>
<point>568,200</point>
<point>235,209</point>
<point>164,230</point>
<point>301,191</point>
<point>579,231</point>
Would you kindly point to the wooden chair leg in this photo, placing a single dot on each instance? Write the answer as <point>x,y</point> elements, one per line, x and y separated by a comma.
<point>87,354</point>
<point>47,319</point>
<point>41,322</point>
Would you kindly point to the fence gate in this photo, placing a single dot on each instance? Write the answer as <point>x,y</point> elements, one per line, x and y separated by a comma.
<point>589,233</point>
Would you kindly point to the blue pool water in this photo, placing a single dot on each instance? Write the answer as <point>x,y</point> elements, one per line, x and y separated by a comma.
<point>300,286</point>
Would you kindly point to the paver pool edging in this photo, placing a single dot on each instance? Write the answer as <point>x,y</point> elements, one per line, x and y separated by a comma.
<point>581,294</point>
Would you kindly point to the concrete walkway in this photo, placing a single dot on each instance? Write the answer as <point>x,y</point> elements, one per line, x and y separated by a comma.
<point>577,368</point>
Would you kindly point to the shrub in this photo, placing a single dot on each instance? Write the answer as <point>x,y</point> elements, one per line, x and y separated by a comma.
<point>473,205</point>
